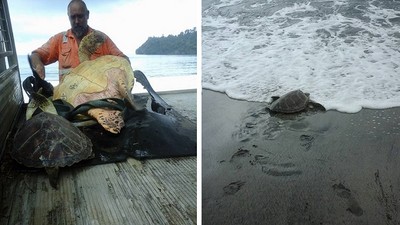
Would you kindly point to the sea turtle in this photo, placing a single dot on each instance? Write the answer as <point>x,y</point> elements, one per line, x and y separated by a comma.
<point>105,77</point>
<point>49,141</point>
<point>293,102</point>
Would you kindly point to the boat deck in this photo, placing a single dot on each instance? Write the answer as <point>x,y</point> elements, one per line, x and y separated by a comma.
<point>154,191</point>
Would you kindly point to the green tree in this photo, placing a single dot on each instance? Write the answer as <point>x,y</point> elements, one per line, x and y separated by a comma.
<point>183,44</point>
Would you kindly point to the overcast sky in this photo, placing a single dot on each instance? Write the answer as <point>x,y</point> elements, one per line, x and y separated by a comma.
<point>127,22</point>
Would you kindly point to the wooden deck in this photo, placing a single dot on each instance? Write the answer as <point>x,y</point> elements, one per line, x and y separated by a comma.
<point>156,191</point>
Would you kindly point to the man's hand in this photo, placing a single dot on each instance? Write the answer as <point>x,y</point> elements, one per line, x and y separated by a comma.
<point>41,71</point>
<point>38,65</point>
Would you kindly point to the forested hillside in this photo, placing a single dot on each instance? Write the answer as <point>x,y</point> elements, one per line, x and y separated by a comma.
<point>183,44</point>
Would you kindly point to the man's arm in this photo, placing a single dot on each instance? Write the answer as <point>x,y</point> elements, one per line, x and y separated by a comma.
<point>38,65</point>
<point>46,54</point>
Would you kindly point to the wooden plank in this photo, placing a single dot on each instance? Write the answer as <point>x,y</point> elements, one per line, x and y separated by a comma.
<point>133,192</point>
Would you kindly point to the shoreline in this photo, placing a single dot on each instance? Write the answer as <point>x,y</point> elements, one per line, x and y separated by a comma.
<point>368,107</point>
<point>318,168</point>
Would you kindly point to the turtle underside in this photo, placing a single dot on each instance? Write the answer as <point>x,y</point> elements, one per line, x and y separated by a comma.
<point>105,77</point>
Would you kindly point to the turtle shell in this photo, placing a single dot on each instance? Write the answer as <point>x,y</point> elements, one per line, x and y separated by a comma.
<point>49,140</point>
<point>105,77</point>
<point>292,102</point>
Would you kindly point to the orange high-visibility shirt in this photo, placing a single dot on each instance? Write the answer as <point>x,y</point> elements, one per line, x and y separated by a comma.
<point>63,48</point>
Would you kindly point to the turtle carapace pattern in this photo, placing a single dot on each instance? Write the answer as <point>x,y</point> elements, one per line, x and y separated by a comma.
<point>294,102</point>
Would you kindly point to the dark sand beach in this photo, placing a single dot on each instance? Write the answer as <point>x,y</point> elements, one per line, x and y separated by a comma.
<point>313,168</point>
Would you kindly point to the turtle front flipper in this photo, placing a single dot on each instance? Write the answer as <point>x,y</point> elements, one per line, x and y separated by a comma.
<point>316,106</point>
<point>52,172</point>
<point>125,93</point>
<point>158,104</point>
<point>111,120</point>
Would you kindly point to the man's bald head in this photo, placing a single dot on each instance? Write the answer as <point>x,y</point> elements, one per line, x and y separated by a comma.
<point>78,15</point>
<point>77,3</point>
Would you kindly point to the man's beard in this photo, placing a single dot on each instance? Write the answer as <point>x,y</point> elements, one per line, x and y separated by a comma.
<point>79,31</point>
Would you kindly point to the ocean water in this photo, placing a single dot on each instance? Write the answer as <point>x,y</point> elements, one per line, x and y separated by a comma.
<point>345,53</point>
<point>150,65</point>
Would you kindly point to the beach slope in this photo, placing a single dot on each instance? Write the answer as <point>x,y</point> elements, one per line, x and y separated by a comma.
<point>313,168</point>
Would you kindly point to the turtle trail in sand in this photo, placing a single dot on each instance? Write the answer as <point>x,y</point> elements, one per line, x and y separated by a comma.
<point>49,141</point>
<point>105,77</point>
<point>294,102</point>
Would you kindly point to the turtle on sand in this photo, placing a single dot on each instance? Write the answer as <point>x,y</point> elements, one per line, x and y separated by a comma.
<point>49,141</point>
<point>294,102</point>
<point>105,77</point>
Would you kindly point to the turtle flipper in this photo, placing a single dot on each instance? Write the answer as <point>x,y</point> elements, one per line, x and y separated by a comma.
<point>125,93</point>
<point>316,106</point>
<point>52,172</point>
<point>157,103</point>
<point>110,103</point>
<point>107,112</point>
<point>111,120</point>
<point>274,98</point>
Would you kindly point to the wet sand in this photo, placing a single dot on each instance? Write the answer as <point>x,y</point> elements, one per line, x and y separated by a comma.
<point>313,168</point>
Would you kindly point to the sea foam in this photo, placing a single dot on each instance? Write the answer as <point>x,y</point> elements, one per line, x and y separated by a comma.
<point>345,55</point>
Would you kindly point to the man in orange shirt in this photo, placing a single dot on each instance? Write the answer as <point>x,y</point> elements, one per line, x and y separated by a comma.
<point>63,47</point>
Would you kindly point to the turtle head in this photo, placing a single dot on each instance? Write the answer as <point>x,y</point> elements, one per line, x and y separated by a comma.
<point>89,44</point>
<point>274,98</point>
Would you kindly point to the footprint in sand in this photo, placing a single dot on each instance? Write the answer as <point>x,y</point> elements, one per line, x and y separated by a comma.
<point>352,203</point>
<point>257,124</point>
<point>238,157</point>
<point>233,187</point>
<point>240,153</point>
<point>276,169</point>
<point>306,141</point>
<point>282,169</point>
